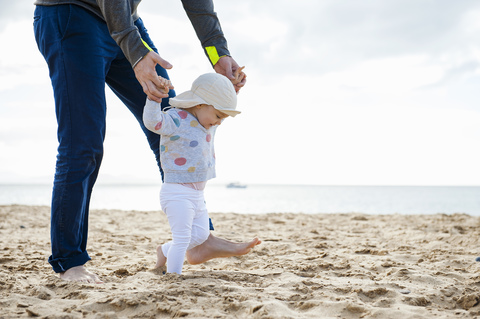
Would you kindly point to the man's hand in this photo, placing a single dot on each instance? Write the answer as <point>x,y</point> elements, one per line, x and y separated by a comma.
<point>227,66</point>
<point>148,78</point>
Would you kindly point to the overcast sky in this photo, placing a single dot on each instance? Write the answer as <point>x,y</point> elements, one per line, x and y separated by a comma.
<point>339,92</point>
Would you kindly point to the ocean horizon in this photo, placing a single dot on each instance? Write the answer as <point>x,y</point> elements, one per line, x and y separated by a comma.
<point>260,199</point>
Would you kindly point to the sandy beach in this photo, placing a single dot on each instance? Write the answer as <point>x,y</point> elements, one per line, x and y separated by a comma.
<point>308,266</point>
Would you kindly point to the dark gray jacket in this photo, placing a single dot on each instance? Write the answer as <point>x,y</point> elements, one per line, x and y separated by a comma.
<point>121,14</point>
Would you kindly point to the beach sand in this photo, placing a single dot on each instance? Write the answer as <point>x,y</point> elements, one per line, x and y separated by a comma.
<point>308,266</point>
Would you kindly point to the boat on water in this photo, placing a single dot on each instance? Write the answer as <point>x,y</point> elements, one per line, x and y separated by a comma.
<point>236,185</point>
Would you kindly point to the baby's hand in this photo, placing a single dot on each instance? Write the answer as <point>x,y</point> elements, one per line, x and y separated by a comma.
<point>239,75</point>
<point>166,85</point>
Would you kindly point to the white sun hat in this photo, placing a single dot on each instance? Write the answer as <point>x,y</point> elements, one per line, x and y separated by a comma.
<point>211,89</point>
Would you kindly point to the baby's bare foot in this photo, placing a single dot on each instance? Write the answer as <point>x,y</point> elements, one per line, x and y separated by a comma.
<point>215,247</point>
<point>80,274</point>
<point>161,259</point>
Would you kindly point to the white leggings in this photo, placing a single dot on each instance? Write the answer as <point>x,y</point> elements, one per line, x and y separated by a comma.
<point>188,218</point>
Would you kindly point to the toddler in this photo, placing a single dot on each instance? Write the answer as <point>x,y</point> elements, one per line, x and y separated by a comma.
<point>188,159</point>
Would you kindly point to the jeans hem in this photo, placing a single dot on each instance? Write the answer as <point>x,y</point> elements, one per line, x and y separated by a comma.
<point>63,264</point>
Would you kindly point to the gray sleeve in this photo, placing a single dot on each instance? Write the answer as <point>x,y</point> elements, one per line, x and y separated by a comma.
<point>118,16</point>
<point>207,27</point>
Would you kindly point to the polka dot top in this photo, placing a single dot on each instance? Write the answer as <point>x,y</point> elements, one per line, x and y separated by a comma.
<point>187,153</point>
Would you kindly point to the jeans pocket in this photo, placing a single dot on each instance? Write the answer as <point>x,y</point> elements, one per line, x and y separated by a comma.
<point>37,21</point>
<point>50,25</point>
<point>64,13</point>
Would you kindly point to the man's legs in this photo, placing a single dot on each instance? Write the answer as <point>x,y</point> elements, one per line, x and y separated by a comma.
<point>76,46</point>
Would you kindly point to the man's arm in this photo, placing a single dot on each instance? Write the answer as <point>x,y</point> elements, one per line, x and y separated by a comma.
<point>207,27</point>
<point>118,16</point>
<point>120,23</point>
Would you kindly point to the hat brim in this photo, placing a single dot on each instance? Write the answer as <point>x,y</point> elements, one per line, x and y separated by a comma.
<point>189,99</point>
<point>229,112</point>
<point>186,100</point>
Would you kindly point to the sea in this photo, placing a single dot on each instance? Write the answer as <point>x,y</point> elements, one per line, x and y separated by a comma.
<point>262,199</point>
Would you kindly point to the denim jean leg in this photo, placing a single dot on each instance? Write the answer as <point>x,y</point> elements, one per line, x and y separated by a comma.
<point>76,46</point>
<point>122,81</point>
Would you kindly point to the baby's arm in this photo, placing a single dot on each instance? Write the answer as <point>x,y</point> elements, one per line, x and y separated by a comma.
<point>153,117</point>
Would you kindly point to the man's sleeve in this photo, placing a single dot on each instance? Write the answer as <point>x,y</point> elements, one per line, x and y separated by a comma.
<point>207,27</point>
<point>118,16</point>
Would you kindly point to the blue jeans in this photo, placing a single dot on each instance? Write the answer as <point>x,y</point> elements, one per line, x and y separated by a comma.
<point>82,57</point>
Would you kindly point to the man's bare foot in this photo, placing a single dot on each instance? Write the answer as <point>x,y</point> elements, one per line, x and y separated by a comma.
<point>215,247</point>
<point>161,259</point>
<point>80,274</point>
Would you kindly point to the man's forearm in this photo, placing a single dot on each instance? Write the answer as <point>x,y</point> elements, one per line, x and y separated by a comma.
<point>207,27</point>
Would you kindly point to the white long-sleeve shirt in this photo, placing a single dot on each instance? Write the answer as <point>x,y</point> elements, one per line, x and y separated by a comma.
<point>187,152</point>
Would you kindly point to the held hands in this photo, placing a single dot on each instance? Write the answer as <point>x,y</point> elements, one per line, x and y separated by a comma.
<point>166,85</point>
<point>239,76</point>
<point>153,85</point>
<point>228,67</point>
